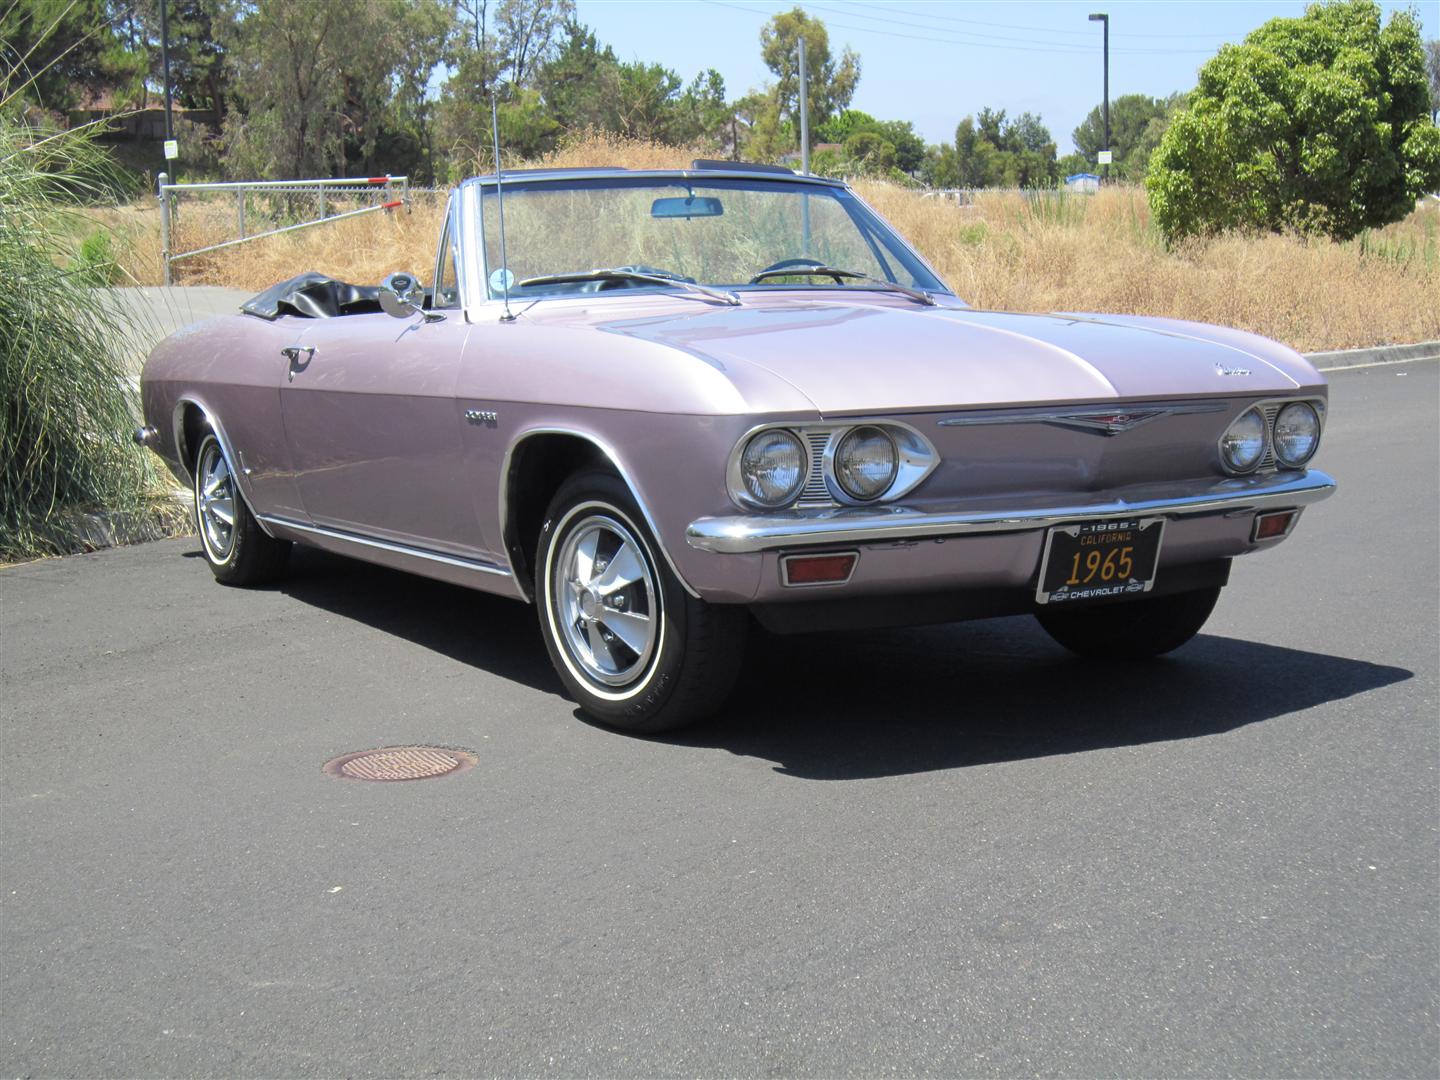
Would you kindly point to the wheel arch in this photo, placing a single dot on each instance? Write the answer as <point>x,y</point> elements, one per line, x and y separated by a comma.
<point>536,464</point>
<point>190,420</point>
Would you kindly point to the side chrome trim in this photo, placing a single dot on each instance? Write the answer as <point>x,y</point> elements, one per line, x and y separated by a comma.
<point>614,460</point>
<point>386,545</point>
<point>1090,419</point>
<point>743,535</point>
<point>177,420</point>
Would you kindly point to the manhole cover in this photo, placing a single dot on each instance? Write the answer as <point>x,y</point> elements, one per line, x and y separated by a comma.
<point>400,763</point>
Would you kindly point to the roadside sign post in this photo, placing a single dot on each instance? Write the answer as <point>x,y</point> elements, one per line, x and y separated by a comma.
<point>164,181</point>
<point>1104,157</point>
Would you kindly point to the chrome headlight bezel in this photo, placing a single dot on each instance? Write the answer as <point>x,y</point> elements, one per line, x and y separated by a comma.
<point>1269,411</point>
<point>1297,461</point>
<point>1227,461</point>
<point>915,459</point>
<point>741,492</point>
<point>834,459</point>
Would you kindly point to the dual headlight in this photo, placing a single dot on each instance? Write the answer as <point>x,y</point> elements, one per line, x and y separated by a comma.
<point>774,465</point>
<point>1294,437</point>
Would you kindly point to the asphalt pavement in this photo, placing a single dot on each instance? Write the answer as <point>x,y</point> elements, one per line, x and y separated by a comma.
<point>944,851</point>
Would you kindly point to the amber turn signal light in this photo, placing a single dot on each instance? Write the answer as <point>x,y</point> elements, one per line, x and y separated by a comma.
<point>1274,526</point>
<point>799,570</point>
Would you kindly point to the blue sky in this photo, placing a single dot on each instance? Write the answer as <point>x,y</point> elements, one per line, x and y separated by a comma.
<point>934,61</point>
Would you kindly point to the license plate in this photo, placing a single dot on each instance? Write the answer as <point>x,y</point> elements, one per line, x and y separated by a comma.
<point>1099,559</point>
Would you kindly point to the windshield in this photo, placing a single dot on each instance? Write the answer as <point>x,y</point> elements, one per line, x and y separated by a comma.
<point>719,233</point>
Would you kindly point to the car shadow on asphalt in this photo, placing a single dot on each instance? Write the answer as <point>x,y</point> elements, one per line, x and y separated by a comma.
<point>863,705</point>
<point>475,628</point>
<point>891,702</point>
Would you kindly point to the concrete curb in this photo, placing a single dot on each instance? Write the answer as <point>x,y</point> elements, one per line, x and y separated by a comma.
<point>1380,354</point>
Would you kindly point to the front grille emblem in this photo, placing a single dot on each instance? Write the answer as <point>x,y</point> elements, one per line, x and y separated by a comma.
<point>1111,423</point>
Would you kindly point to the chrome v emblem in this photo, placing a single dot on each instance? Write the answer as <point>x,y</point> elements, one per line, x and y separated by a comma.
<point>1107,423</point>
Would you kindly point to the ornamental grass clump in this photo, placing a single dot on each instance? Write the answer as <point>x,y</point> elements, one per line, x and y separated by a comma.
<point>70,477</point>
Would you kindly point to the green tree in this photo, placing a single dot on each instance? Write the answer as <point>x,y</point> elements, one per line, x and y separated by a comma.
<point>320,83</point>
<point>528,33</point>
<point>907,149</point>
<point>764,134</point>
<point>1319,124</point>
<point>56,53</point>
<point>831,82</point>
<point>870,151</point>
<point>704,112</point>
<point>1137,122</point>
<point>581,83</point>
<point>199,67</point>
<point>991,150</point>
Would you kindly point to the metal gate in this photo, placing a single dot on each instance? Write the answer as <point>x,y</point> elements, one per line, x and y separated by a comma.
<point>381,192</point>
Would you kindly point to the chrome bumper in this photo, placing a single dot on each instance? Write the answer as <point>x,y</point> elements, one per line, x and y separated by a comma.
<point>864,525</point>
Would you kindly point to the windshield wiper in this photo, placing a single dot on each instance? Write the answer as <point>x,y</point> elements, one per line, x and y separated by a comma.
<point>920,296</point>
<point>624,273</point>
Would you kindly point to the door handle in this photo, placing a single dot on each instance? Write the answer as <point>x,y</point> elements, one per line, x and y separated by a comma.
<point>292,353</point>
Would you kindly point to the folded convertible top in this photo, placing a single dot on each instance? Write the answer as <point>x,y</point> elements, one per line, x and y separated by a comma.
<point>312,295</point>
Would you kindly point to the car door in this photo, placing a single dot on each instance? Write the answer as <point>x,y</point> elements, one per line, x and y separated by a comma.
<point>373,429</point>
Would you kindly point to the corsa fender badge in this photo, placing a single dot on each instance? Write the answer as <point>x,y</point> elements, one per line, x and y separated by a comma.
<point>1221,369</point>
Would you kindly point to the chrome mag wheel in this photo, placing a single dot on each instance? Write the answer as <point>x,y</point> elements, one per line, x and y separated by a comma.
<point>606,600</point>
<point>215,502</point>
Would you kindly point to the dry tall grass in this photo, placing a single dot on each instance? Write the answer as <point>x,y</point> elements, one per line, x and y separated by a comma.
<point>1054,252</point>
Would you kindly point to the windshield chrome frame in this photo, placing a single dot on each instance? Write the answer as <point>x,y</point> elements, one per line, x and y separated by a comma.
<point>471,208</point>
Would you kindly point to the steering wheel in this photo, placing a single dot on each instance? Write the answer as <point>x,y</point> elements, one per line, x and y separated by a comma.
<point>784,263</point>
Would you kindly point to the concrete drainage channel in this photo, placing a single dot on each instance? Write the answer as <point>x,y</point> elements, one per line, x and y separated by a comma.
<point>395,763</point>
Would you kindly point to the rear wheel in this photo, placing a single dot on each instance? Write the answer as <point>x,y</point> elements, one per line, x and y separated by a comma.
<point>631,646</point>
<point>1133,630</point>
<point>237,549</point>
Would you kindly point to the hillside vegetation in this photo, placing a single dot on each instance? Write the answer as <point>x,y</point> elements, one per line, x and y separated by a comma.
<point>1041,252</point>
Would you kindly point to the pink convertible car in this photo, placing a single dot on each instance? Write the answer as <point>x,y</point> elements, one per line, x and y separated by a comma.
<point>659,405</point>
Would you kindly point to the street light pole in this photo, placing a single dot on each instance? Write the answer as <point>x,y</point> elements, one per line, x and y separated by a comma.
<point>1104,18</point>
<point>165,69</point>
<point>804,112</point>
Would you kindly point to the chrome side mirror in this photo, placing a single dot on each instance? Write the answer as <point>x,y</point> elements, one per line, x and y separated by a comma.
<point>401,296</point>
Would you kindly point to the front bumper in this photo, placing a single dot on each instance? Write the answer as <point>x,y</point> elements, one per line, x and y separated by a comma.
<point>745,534</point>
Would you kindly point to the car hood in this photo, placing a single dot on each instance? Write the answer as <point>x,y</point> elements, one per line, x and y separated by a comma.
<point>871,357</point>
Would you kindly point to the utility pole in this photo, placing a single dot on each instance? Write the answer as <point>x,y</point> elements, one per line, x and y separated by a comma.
<point>804,112</point>
<point>1104,18</point>
<point>165,72</point>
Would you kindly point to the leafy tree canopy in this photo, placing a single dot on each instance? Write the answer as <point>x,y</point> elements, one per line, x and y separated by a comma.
<point>893,142</point>
<point>1137,123</point>
<point>1319,124</point>
<point>831,82</point>
<point>992,150</point>
<point>58,52</point>
<point>319,82</point>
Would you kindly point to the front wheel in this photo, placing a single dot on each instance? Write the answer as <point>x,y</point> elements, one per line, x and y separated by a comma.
<point>631,646</point>
<point>237,549</point>
<point>1133,629</point>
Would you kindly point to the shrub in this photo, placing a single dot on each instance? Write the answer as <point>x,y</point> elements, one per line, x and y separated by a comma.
<point>1318,124</point>
<point>95,263</point>
<point>68,401</point>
